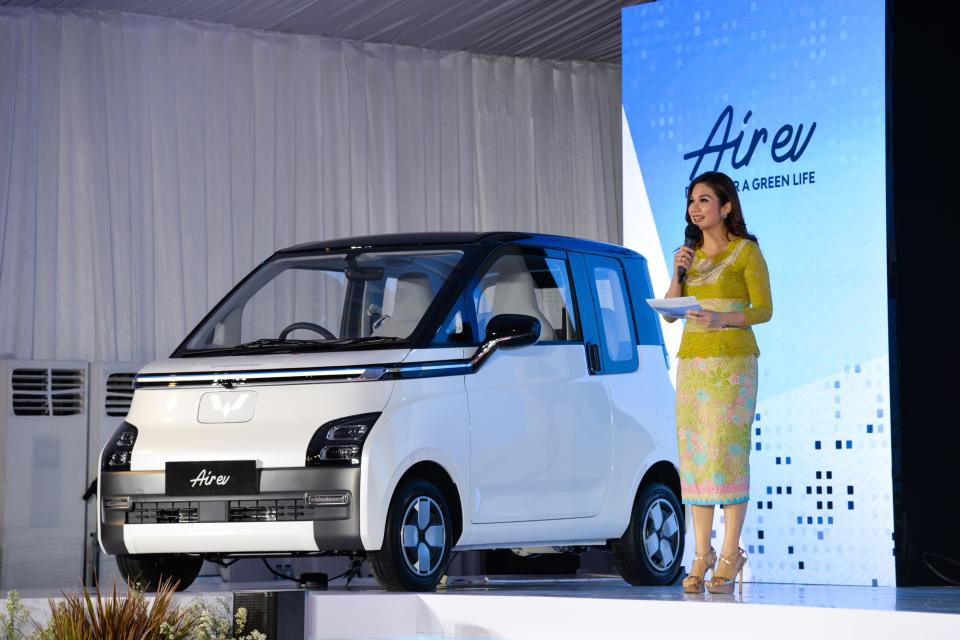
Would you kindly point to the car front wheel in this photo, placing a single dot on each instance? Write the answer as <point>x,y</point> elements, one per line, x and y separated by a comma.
<point>650,550</point>
<point>417,539</point>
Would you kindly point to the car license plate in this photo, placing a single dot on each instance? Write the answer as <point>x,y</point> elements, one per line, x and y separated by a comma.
<point>215,478</point>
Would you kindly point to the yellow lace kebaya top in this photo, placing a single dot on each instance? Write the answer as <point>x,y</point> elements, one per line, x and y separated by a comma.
<point>735,279</point>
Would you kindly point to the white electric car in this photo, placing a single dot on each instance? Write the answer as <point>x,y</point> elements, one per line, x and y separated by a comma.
<point>400,397</point>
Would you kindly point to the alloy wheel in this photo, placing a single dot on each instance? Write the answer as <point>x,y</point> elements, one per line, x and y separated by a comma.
<point>423,536</point>
<point>661,534</point>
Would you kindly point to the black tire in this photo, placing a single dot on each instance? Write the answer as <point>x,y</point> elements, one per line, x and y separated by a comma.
<point>417,563</point>
<point>147,571</point>
<point>657,516</point>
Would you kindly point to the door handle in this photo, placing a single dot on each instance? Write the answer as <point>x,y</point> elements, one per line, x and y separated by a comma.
<point>593,357</point>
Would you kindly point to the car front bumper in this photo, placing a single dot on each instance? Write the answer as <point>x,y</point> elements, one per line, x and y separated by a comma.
<point>276,520</point>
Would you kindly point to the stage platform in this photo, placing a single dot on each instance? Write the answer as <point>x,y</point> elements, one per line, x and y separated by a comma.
<point>602,607</point>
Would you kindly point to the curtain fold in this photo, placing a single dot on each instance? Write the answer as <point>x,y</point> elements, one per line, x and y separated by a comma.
<point>146,164</point>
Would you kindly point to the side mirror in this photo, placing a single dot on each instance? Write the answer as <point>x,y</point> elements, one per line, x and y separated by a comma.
<point>512,330</point>
<point>506,330</point>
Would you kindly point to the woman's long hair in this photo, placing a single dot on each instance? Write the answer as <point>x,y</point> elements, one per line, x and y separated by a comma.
<point>726,191</point>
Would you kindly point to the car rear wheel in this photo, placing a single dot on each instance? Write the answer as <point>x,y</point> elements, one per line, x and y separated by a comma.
<point>650,551</point>
<point>148,571</point>
<point>417,539</point>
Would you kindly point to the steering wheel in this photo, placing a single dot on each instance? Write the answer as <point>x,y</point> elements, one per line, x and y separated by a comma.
<point>309,326</point>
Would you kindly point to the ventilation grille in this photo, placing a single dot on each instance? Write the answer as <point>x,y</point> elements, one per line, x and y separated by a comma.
<point>48,392</point>
<point>266,510</point>
<point>119,394</point>
<point>162,512</point>
<point>179,511</point>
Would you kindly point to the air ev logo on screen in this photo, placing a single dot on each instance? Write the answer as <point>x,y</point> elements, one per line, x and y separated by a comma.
<point>788,143</point>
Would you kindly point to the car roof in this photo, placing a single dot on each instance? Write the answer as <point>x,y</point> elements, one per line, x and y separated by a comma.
<point>396,240</point>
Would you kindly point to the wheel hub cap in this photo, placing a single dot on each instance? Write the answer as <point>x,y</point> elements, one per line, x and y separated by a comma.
<point>423,536</point>
<point>661,534</point>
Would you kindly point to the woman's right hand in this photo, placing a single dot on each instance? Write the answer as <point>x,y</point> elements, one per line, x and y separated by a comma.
<point>682,258</point>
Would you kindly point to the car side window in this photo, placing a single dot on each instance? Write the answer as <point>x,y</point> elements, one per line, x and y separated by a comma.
<point>614,311</point>
<point>537,286</point>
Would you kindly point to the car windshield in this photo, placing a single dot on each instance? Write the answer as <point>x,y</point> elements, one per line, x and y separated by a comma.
<point>326,301</point>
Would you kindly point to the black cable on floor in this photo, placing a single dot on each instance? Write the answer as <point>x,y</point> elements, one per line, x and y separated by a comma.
<point>352,571</point>
<point>277,573</point>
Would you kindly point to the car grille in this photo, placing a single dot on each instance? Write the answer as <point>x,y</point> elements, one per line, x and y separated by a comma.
<point>169,512</point>
<point>162,512</point>
<point>267,510</point>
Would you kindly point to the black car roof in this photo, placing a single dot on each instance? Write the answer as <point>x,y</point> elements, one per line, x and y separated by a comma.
<point>393,240</point>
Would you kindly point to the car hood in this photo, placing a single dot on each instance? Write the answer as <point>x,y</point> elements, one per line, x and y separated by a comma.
<point>248,414</point>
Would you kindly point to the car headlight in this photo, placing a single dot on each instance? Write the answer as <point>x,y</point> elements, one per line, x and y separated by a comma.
<point>118,453</point>
<point>340,442</point>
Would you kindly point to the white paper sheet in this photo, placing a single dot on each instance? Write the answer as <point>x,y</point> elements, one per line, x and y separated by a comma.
<point>675,307</point>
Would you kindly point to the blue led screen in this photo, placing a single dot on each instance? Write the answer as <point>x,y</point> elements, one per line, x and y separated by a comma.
<point>788,99</point>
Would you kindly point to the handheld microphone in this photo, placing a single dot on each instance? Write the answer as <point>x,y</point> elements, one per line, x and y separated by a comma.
<point>690,237</point>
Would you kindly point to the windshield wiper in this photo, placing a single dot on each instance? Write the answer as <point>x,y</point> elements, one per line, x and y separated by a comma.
<point>276,344</point>
<point>269,343</point>
<point>367,340</point>
<point>254,345</point>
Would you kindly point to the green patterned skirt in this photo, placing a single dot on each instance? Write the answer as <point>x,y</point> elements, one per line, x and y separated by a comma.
<point>716,403</point>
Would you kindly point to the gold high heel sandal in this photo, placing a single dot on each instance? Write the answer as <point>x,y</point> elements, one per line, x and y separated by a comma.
<point>719,584</point>
<point>694,583</point>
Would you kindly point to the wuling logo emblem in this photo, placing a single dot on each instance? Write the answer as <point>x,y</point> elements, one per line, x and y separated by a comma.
<point>227,406</point>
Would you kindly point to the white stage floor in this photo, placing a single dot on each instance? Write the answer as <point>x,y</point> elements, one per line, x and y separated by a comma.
<point>596,608</point>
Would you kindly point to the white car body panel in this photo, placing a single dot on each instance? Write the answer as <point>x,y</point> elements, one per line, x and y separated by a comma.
<point>643,435</point>
<point>425,420</point>
<point>219,537</point>
<point>286,417</point>
<point>540,436</point>
<point>643,406</point>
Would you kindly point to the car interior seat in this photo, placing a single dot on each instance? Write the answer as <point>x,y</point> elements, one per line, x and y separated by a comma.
<point>516,293</point>
<point>413,296</point>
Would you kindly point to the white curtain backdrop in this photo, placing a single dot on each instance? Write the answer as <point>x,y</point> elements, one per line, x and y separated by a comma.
<point>146,164</point>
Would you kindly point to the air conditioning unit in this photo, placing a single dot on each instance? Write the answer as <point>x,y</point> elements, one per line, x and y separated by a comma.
<point>43,438</point>
<point>111,391</point>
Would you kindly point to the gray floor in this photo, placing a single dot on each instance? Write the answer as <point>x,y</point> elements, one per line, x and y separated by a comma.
<point>921,599</point>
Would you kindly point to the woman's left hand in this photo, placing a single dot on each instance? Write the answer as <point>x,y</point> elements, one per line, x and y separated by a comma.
<point>706,318</point>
